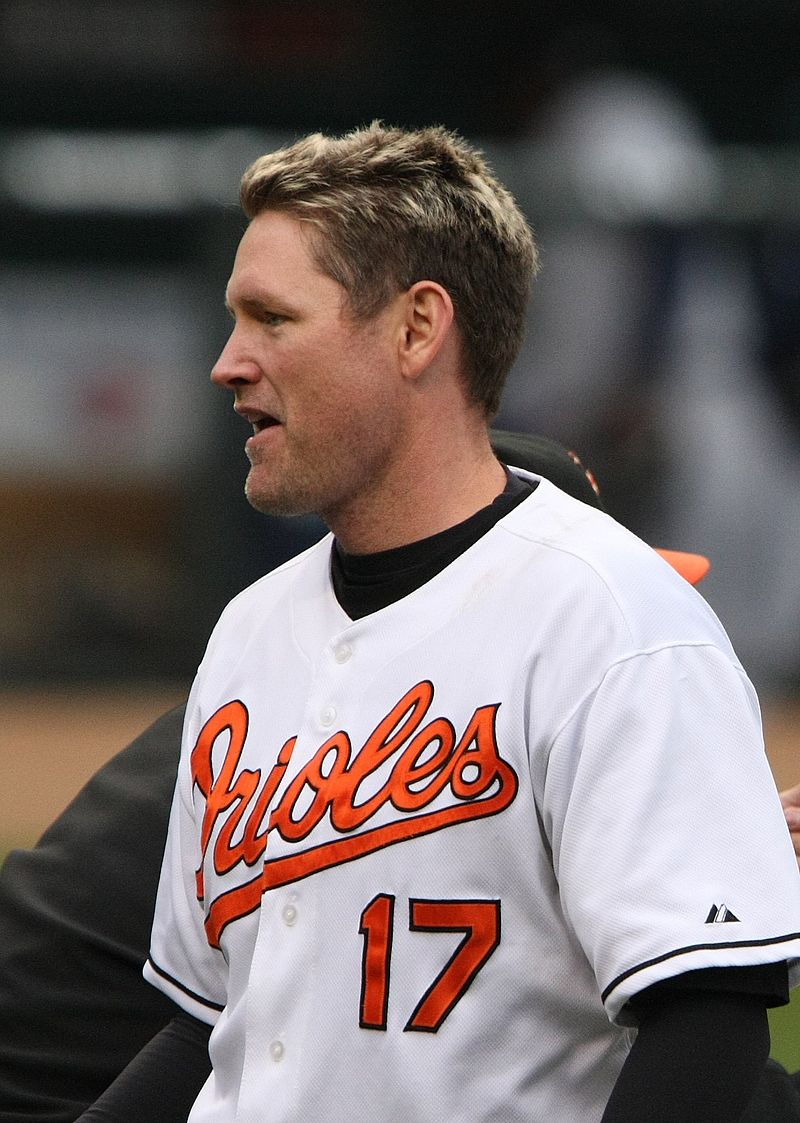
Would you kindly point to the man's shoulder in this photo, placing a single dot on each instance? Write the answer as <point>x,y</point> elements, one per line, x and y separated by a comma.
<point>579,541</point>
<point>309,567</point>
<point>582,563</point>
<point>265,612</point>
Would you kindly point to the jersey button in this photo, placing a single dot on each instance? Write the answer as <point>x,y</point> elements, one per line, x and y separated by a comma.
<point>290,915</point>
<point>327,716</point>
<point>342,652</point>
<point>276,1050</point>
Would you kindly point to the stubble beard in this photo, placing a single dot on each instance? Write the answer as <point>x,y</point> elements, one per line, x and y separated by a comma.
<point>290,496</point>
<point>297,489</point>
<point>313,484</point>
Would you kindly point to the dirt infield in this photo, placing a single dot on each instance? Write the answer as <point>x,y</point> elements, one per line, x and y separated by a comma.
<point>51,742</point>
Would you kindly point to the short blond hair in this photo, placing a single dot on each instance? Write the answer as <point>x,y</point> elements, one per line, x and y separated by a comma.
<point>393,207</point>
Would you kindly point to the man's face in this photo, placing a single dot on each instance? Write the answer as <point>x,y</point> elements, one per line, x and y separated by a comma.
<point>316,386</point>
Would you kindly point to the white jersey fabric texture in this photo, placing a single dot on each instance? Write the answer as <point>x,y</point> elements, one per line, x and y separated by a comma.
<point>418,863</point>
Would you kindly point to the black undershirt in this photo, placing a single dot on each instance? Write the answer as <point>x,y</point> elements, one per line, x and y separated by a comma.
<point>365,583</point>
<point>686,1024</point>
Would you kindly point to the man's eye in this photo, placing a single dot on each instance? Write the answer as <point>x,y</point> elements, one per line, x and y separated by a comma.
<point>273,319</point>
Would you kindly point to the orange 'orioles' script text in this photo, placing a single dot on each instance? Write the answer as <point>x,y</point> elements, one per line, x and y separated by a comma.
<point>416,763</point>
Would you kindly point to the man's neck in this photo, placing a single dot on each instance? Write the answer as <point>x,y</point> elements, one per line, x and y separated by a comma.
<point>439,495</point>
<point>365,583</point>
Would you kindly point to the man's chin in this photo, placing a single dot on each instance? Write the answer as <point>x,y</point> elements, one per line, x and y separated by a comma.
<point>270,501</point>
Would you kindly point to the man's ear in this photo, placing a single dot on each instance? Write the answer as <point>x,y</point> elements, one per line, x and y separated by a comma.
<point>427,318</point>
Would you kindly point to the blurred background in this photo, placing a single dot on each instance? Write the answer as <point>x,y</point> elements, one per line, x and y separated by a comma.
<point>656,151</point>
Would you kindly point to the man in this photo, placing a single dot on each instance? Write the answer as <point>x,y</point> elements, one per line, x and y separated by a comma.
<point>75,911</point>
<point>472,789</point>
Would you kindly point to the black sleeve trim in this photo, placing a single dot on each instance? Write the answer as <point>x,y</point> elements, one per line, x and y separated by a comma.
<point>768,982</point>
<point>218,1007</point>
<point>612,986</point>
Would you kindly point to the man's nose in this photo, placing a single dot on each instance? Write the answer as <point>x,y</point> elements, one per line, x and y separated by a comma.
<point>234,367</point>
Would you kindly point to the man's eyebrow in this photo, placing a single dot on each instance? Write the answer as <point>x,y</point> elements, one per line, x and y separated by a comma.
<point>255,304</point>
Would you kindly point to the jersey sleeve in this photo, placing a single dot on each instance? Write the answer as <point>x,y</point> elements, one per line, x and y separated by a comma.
<point>181,962</point>
<point>669,844</point>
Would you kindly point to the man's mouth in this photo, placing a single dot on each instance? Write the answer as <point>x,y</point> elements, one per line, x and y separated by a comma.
<point>265,422</point>
<point>259,420</point>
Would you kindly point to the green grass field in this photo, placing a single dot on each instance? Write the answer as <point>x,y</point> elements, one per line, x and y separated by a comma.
<point>785,1026</point>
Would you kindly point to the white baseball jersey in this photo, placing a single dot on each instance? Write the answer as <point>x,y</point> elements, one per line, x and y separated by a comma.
<point>418,863</point>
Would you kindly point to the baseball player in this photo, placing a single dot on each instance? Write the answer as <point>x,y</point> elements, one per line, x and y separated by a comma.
<point>75,910</point>
<point>472,818</point>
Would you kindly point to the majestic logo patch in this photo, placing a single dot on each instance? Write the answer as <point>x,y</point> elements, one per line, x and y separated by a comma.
<point>414,764</point>
<point>721,914</point>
